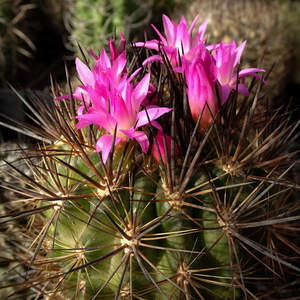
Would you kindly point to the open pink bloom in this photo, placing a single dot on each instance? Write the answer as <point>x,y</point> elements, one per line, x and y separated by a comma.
<point>227,57</point>
<point>122,114</point>
<point>100,77</point>
<point>179,40</point>
<point>107,71</point>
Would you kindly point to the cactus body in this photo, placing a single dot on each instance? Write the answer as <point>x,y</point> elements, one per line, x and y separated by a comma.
<point>211,215</point>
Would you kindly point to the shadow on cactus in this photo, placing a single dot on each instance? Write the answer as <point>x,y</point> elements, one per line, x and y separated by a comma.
<point>163,178</point>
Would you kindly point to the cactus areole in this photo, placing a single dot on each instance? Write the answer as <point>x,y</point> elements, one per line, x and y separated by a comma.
<point>163,179</point>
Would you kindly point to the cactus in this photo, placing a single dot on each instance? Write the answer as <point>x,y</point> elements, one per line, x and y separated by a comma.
<point>91,23</point>
<point>159,180</point>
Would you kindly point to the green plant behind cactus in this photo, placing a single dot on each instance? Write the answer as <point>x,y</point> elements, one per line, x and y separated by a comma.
<point>92,23</point>
<point>207,211</point>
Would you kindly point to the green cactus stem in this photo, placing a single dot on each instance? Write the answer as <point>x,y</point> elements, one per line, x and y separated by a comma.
<point>214,216</point>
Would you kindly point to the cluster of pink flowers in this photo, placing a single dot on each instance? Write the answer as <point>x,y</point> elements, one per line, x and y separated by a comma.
<point>113,101</point>
<point>117,102</point>
<point>209,70</point>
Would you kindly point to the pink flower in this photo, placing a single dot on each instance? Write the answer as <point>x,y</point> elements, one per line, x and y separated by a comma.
<point>114,50</point>
<point>161,149</point>
<point>122,114</point>
<point>227,57</point>
<point>112,102</point>
<point>107,71</point>
<point>97,81</point>
<point>200,77</point>
<point>179,40</point>
<point>103,75</point>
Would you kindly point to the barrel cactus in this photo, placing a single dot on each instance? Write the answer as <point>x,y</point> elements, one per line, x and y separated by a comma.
<point>158,179</point>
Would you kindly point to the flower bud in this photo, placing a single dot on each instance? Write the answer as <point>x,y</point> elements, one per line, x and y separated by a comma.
<point>161,148</point>
<point>201,80</point>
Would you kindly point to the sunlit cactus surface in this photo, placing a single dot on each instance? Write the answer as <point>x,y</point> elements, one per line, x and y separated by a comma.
<point>156,178</point>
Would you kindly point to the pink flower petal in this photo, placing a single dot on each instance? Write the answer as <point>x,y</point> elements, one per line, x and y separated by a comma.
<point>153,44</point>
<point>100,118</point>
<point>169,30</point>
<point>190,31</point>
<point>139,136</point>
<point>162,147</point>
<point>104,144</point>
<point>62,97</point>
<point>152,59</point>
<point>239,51</point>
<point>140,92</point>
<point>84,72</point>
<point>143,140</point>
<point>151,113</point>
<point>242,89</point>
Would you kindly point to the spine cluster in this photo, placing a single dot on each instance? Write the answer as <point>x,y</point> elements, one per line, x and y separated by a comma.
<point>158,178</point>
